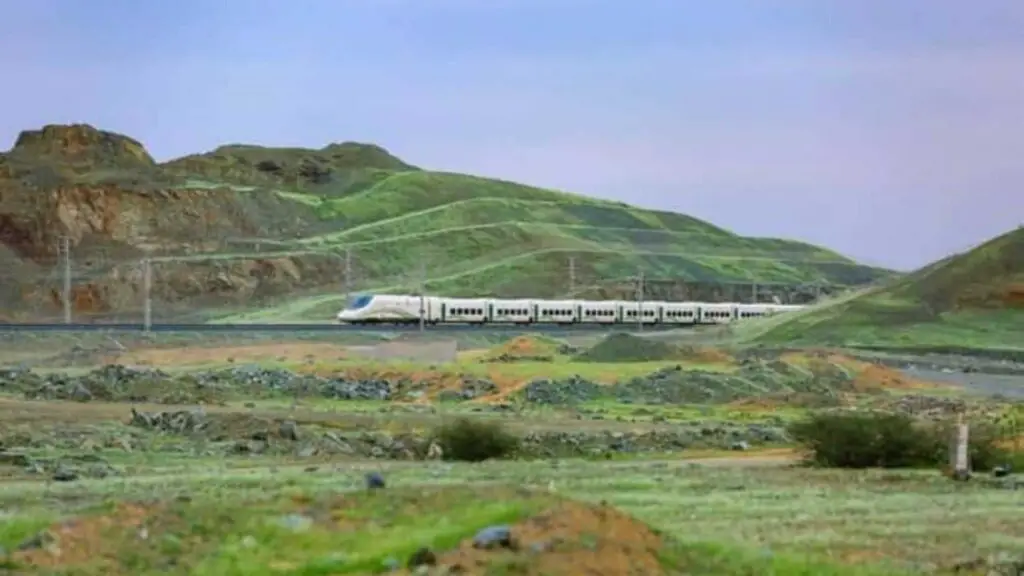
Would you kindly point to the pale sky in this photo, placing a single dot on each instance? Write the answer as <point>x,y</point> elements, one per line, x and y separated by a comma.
<point>889,130</point>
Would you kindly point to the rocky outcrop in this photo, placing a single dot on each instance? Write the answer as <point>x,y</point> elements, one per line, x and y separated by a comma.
<point>104,193</point>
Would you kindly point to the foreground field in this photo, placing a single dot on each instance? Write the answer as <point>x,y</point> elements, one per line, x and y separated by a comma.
<point>216,517</point>
<point>633,456</point>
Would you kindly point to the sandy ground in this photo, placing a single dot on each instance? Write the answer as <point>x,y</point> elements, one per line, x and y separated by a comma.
<point>279,352</point>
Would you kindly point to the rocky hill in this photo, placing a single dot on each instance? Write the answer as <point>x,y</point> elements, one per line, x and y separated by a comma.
<point>967,302</point>
<point>246,228</point>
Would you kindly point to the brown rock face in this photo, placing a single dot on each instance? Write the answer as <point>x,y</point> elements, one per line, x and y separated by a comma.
<point>80,143</point>
<point>56,183</point>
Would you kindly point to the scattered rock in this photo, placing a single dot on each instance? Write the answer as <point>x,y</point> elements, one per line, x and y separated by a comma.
<point>65,474</point>
<point>289,430</point>
<point>493,537</point>
<point>14,459</point>
<point>40,540</point>
<point>434,452</point>
<point>119,383</point>
<point>374,481</point>
<point>296,522</point>
<point>422,557</point>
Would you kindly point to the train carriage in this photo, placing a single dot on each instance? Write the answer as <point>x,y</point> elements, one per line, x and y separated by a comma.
<point>511,311</point>
<point>683,313</point>
<point>466,310</point>
<point>556,311</point>
<point>649,311</point>
<point>600,312</point>
<point>719,313</point>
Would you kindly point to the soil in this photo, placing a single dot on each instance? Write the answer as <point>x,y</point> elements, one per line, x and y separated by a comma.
<point>81,539</point>
<point>570,538</point>
<point>867,376</point>
<point>565,537</point>
<point>282,352</point>
<point>522,348</point>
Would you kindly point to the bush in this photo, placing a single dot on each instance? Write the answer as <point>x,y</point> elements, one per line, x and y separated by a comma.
<point>876,440</point>
<point>475,440</point>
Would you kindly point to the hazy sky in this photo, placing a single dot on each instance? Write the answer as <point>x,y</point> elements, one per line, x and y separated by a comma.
<point>890,130</point>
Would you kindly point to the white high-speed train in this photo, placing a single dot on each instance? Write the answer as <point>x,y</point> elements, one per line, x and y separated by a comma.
<point>406,309</point>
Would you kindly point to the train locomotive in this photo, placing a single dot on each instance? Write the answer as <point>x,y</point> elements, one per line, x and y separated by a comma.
<point>397,309</point>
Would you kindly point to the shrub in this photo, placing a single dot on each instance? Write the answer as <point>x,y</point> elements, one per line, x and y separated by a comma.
<point>877,440</point>
<point>475,440</point>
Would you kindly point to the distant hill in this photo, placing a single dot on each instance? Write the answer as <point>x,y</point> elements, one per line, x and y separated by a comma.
<point>261,232</point>
<point>970,301</point>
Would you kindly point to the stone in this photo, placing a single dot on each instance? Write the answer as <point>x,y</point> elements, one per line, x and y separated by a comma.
<point>422,557</point>
<point>374,481</point>
<point>493,537</point>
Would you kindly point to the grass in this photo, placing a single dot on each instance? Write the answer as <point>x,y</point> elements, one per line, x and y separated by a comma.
<point>973,303</point>
<point>180,505</point>
<point>473,235</point>
<point>720,517</point>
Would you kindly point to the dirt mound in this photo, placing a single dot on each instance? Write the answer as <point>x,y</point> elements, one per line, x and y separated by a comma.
<point>526,348</point>
<point>77,542</point>
<point>623,347</point>
<point>534,534</point>
<point>569,538</point>
<point>704,355</point>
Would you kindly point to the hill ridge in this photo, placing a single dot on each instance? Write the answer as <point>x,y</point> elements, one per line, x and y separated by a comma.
<point>969,302</point>
<point>204,219</point>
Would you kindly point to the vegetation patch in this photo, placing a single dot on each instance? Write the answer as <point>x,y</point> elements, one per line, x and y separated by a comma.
<point>468,530</point>
<point>968,303</point>
<point>622,347</point>
<point>887,440</point>
<point>526,348</point>
<point>475,440</point>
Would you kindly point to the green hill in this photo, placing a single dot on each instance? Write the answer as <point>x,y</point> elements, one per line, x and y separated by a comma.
<point>969,302</point>
<point>262,231</point>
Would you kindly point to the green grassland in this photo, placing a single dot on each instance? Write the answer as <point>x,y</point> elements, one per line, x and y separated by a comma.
<point>481,236</point>
<point>217,517</point>
<point>186,502</point>
<point>969,302</point>
<point>471,235</point>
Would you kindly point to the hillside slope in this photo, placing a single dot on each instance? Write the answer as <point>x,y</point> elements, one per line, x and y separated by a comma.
<point>969,301</point>
<point>246,228</point>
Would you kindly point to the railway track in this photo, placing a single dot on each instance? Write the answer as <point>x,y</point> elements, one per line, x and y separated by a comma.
<point>493,328</point>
